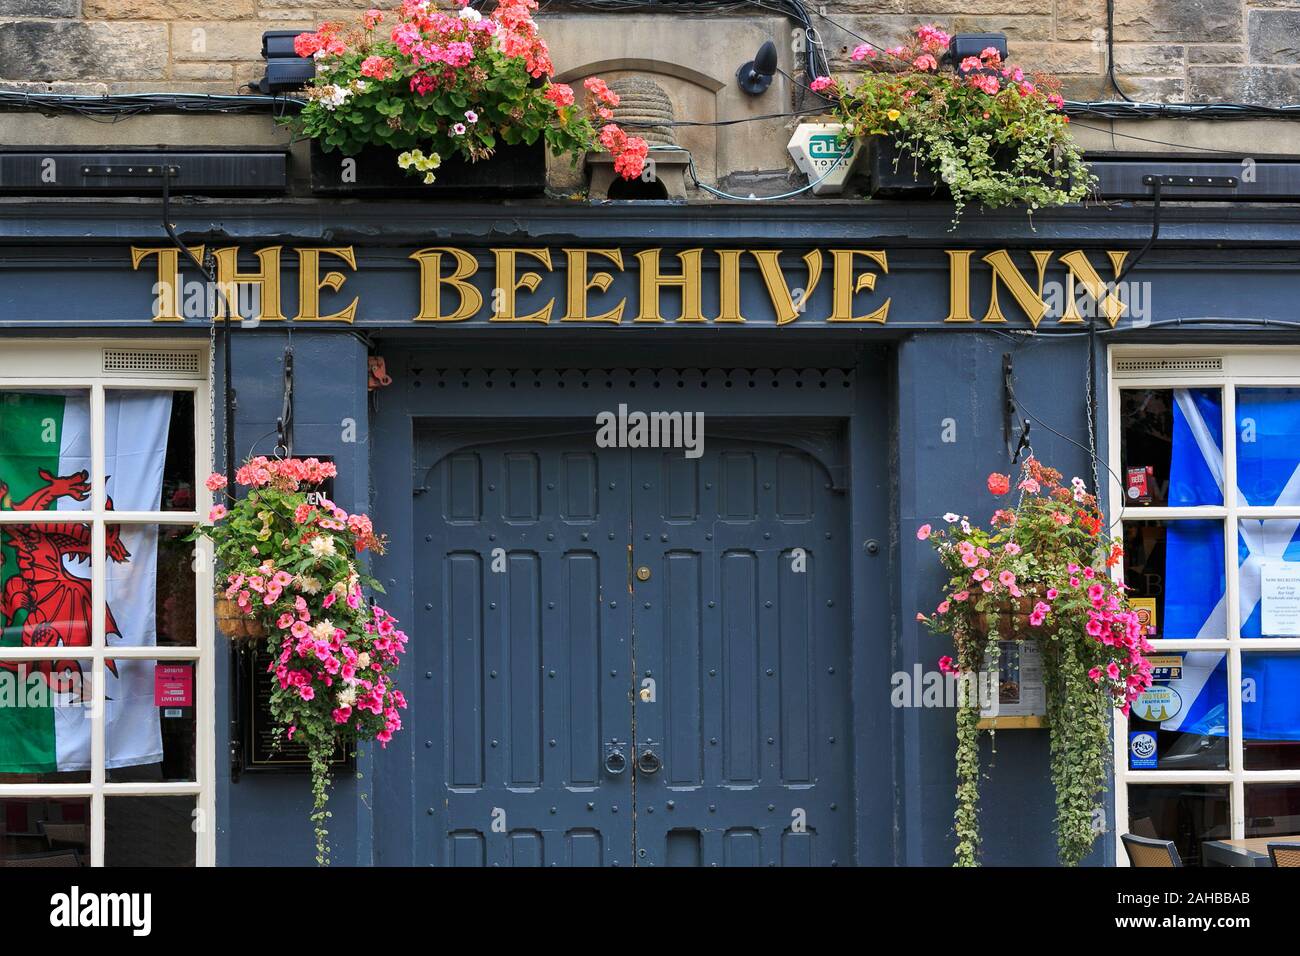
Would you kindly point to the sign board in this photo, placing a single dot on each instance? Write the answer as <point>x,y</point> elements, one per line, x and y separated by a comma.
<point>1143,750</point>
<point>173,685</point>
<point>1019,689</point>
<point>1279,591</point>
<point>1166,667</point>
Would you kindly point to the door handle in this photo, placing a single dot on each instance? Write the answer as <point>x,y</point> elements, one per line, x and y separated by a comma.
<point>648,762</point>
<point>615,761</point>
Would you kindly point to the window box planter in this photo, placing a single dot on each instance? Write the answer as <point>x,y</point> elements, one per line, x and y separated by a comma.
<point>512,171</point>
<point>895,173</point>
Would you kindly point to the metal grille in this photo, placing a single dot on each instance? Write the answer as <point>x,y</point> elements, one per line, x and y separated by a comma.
<point>152,362</point>
<point>652,378</point>
<point>1169,365</point>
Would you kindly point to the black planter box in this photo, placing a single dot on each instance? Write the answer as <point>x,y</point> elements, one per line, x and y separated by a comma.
<point>512,171</point>
<point>896,174</point>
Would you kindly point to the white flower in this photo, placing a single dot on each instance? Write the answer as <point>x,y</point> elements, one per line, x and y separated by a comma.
<point>335,96</point>
<point>322,546</point>
<point>950,517</point>
<point>347,697</point>
<point>470,14</point>
<point>363,659</point>
<point>965,525</point>
<point>323,630</point>
<point>340,590</point>
<point>307,585</point>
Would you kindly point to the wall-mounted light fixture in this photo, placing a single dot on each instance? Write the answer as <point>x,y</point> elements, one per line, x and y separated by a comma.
<point>286,71</point>
<point>963,45</point>
<point>756,75</point>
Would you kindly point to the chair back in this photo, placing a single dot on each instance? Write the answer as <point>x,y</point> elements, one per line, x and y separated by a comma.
<point>1284,854</point>
<point>1145,851</point>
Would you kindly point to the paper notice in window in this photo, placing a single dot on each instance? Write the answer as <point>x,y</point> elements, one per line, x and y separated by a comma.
<point>1279,592</point>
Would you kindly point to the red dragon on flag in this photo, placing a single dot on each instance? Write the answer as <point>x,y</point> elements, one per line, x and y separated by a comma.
<point>58,603</point>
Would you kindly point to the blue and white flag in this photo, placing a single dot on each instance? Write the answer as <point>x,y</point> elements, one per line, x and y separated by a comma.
<point>1268,466</point>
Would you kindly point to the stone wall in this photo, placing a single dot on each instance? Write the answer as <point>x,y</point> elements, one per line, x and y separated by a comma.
<point>1166,50</point>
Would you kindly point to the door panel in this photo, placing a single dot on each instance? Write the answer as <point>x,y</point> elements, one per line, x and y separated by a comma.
<point>749,651</point>
<point>722,677</point>
<point>525,571</point>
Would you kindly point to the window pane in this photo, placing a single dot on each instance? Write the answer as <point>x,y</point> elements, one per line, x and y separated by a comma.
<point>149,731</point>
<point>45,721</point>
<point>149,445</point>
<point>1187,813</point>
<point>1273,810</point>
<point>149,831</point>
<point>1268,445</point>
<point>44,431</point>
<point>1182,723</point>
<point>1270,710</point>
<point>43,832</point>
<point>1269,557</point>
<point>151,586</point>
<point>1171,446</point>
<point>1178,565</point>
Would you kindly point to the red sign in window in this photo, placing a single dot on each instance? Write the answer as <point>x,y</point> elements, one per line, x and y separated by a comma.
<point>173,685</point>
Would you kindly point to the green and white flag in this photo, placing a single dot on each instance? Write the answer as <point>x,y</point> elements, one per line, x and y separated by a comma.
<point>45,577</point>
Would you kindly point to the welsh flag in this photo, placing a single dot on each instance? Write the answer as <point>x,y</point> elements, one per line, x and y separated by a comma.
<point>45,586</point>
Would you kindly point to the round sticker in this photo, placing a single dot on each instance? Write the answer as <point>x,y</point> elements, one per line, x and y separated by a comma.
<point>1143,746</point>
<point>1158,703</point>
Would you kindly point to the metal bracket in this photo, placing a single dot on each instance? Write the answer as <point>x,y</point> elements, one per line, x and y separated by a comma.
<point>1201,181</point>
<point>153,172</point>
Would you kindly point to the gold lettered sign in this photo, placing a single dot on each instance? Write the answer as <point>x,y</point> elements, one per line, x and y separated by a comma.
<point>609,286</point>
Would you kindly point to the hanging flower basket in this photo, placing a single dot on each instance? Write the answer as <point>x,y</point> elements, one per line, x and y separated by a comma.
<point>290,571</point>
<point>1040,572</point>
<point>235,624</point>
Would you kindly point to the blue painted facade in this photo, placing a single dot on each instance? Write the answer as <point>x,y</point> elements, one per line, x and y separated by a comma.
<point>871,409</point>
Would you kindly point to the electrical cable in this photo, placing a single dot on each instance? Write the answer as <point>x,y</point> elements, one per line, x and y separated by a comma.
<point>1110,50</point>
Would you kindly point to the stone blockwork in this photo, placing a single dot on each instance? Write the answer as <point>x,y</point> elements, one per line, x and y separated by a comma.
<point>1165,50</point>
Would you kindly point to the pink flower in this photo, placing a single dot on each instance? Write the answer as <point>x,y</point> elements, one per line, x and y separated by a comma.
<point>307,692</point>
<point>1006,579</point>
<point>1095,674</point>
<point>215,481</point>
<point>284,621</point>
<point>986,586</point>
<point>821,83</point>
<point>1112,671</point>
<point>377,67</point>
<point>961,595</point>
<point>989,85</point>
<point>980,574</point>
<point>970,63</point>
<point>999,484</point>
<point>969,559</point>
<point>458,129</point>
<point>217,513</point>
<point>925,62</point>
<point>920,617</point>
<point>1060,518</point>
<point>1041,608</point>
<point>946,665</point>
<point>943,607</point>
<point>862,52</point>
<point>559,94</point>
<point>923,532</point>
<point>1052,593</point>
<point>329,600</point>
<point>1011,548</point>
<point>471,116</point>
<point>372,17</point>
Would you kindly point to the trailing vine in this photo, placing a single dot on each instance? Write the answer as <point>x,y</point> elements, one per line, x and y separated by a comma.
<point>1040,573</point>
<point>991,131</point>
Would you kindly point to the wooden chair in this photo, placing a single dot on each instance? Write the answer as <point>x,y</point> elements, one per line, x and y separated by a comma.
<point>1284,854</point>
<point>1145,851</point>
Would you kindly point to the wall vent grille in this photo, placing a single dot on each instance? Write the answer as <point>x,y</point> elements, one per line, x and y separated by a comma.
<point>1168,366</point>
<point>152,362</point>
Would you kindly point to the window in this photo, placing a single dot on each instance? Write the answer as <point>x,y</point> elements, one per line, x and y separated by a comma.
<point>1205,479</point>
<point>106,699</point>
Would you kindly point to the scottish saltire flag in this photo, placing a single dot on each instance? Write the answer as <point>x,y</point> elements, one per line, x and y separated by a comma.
<point>1268,466</point>
<point>45,590</point>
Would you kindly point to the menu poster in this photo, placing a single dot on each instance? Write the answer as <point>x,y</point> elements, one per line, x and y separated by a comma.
<point>1279,591</point>
<point>1019,690</point>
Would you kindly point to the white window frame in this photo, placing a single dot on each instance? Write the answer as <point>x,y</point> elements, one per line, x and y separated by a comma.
<point>80,364</point>
<point>1246,366</point>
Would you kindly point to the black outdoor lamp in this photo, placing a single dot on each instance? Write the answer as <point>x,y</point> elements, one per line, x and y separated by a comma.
<point>963,45</point>
<point>286,71</point>
<point>756,75</point>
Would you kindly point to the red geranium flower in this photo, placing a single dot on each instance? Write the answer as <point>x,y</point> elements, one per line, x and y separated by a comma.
<point>999,484</point>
